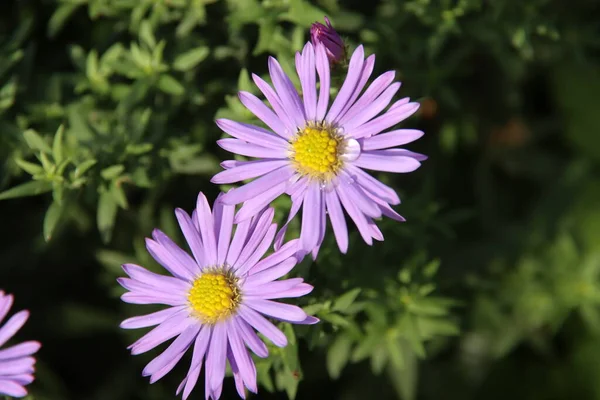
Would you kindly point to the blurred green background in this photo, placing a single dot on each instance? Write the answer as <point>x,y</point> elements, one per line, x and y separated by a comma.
<point>490,290</point>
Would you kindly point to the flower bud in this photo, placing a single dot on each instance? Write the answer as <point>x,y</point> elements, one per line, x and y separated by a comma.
<point>334,45</point>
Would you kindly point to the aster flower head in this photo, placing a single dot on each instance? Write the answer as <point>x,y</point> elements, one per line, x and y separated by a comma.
<point>216,298</point>
<point>16,363</point>
<point>331,40</point>
<point>315,151</point>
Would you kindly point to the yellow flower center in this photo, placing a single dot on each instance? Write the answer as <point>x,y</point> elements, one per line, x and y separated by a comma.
<point>316,152</point>
<point>214,296</point>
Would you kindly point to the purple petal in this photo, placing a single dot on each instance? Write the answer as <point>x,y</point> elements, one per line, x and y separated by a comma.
<point>277,310</point>
<point>287,93</point>
<point>161,293</point>
<point>371,110</point>
<point>308,80</point>
<point>275,102</point>
<point>378,160</point>
<point>280,255</point>
<point>252,134</point>
<point>362,201</point>
<point>338,221</point>
<point>262,325</point>
<point>200,346</point>
<point>13,325</point>
<point>171,257</point>
<point>385,121</point>
<point>258,108</point>
<point>349,85</point>
<point>357,216</point>
<point>310,230</point>
<point>391,139</point>
<point>20,350</point>
<point>174,351</point>
<point>401,152</point>
<point>250,150</point>
<point>6,302</point>
<point>372,185</point>
<point>192,236</point>
<point>365,74</point>
<point>224,232</point>
<point>160,282</point>
<point>242,358</point>
<point>237,376</point>
<point>260,251</point>
<point>258,186</point>
<point>255,205</point>
<point>255,236</point>
<point>251,169</point>
<point>296,204</point>
<point>163,332</point>
<point>22,365</point>
<point>217,356</point>
<point>270,274</point>
<point>237,244</point>
<point>152,319</point>
<point>251,338</point>
<point>148,296</point>
<point>12,388</point>
<point>322,64</point>
<point>267,289</point>
<point>374,90</point>
<point>207,229</point>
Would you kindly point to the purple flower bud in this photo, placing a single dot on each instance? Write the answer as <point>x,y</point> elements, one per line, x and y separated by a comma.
<point>334,45</point>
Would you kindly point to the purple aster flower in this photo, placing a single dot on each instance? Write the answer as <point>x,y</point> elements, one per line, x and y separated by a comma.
<point>16,363</point>
<point>217,298</point>
<point>334,45</point>
<point>316,152</point>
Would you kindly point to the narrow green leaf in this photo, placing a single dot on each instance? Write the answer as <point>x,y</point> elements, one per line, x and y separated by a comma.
<point>395,351</point>
<point>36,142</point>
<point>112,172</point>
<point>60,17</point>
<point>190,59</point>
<point>57,148</point>
<point>405,379</point>
<point>146,34</point>
<point>338,355</point>
<point>32,188</point>
<point>84,167</point>
<point>346,300</point>
<point>51,219</point>
<point>106,215</point>
<point>170,85</point>
<point>244,82</point>
<point>28,167</point>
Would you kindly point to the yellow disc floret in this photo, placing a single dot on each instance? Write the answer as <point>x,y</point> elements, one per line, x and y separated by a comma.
<point>214,296</point>
<point>316,152</point>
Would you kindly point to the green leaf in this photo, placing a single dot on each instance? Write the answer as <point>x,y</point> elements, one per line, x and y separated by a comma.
<point>51,219</point>
<point>146,34</point>
<point>410,330</point>
<point>190,59</point>
<point>338,355</point>
<point>106,215</point>
<point>36,142</point>
<point>60,17</point>
<point>28,167</point>
<point>244,82</point>
<point>84,167</point>
<point>32,188</point>
<point>405,379</point>
<point>57,149</point>
<point>170,85</point>
<point>395,351</point>
<point>112,172</point>
<point>346,300</point>
<point>379,358</point>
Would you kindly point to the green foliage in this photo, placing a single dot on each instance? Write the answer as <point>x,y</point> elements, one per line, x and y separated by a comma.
<point>491,288</point>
